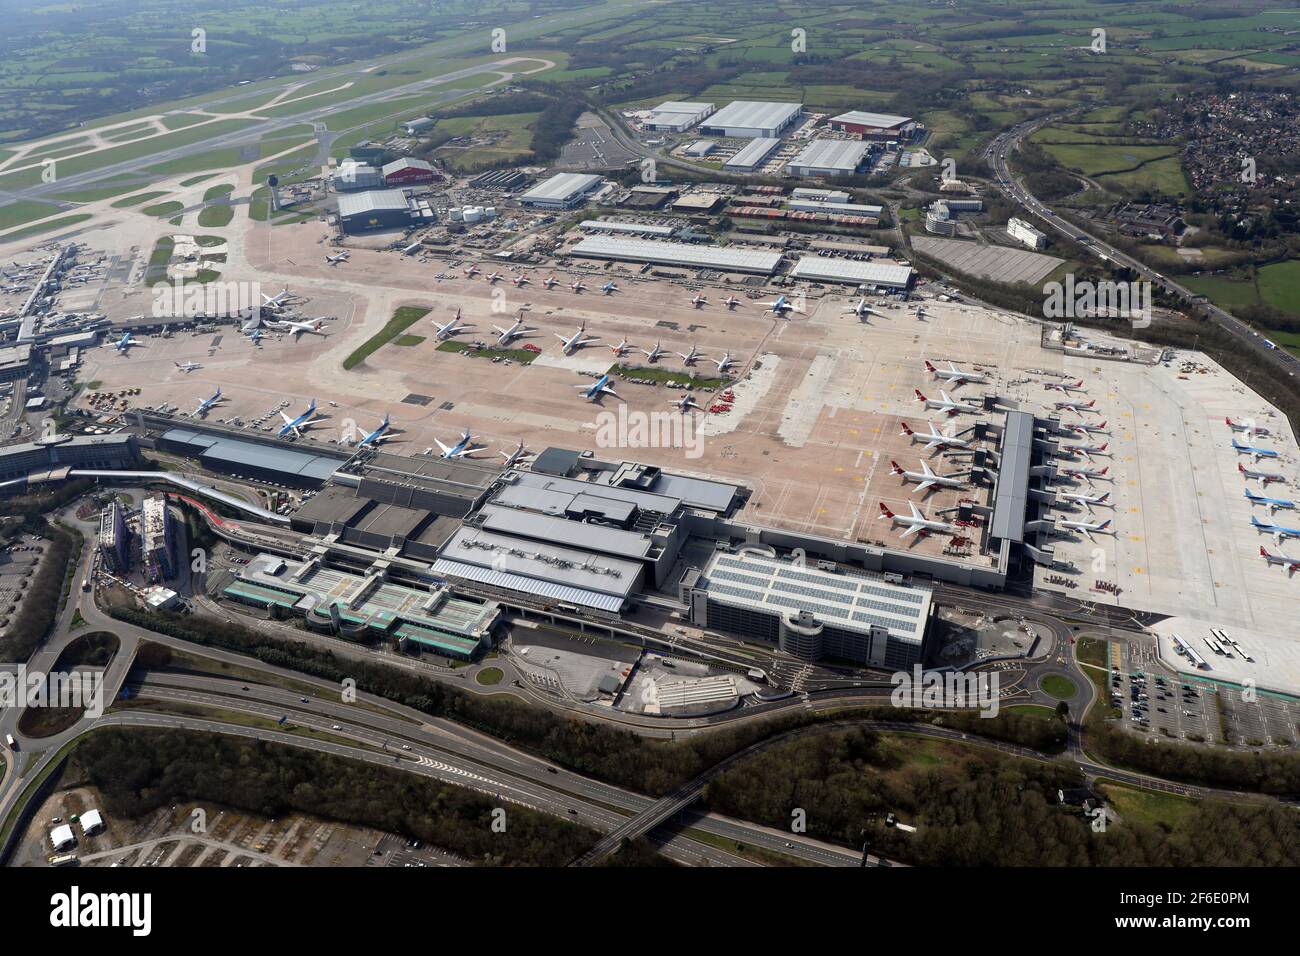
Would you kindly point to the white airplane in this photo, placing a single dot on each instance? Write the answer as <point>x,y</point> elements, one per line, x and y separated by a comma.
<point>652,355</point>
<point>1262,476</point>
<point>860,308</point>
<point>451,328</point>
<point>731,302</point>
<point>1249,430</point>
<point>1066,387</point>
<point>1274,504</point>
<point>935,438</point>
<point>1086,500</point>
<point>520,280</point>
<point>780,306</point>
<point>1292,565</point>
<point>619,349</point>
<point>688,358</point>
<point>609,287</point>
<point>206,404</point>
<point>315,327</point>
<point>1087,451</point>
<point>724,363</point>
<point>295,426</point>
<point>684,403</point>
<point>955,376</point>
<point>577,285</point>
<point>280,299</point>
<point>509,335</point>
<point>471,272</point>
<point>461,448</point>
<point>1259,453</point>
<point>494,276</point>
<point>575,341</point>
<point>187,367</point>
<point>335,260</point>
<point>1086,527</point>
<point>550,281</point>
<point>1277,531</point>
<point>946,403</point>
<point>1087,474</point>
<point>925,478</point>
<point>1085,428</point>
<point>700,300</point>
<point>123,344</point>
<point>919,313</point>
<point>597,389</point>
<point>917,522</point>
<point>1076,407</point>
<point>515,456</point>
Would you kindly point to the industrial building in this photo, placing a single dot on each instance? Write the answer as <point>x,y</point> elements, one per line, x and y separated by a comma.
<point>753,155</point>
<point>356,177</point>
<point>627,228</point>
<point>829,157</point>
<point>747,119</point>
<point>408,172</point>
<point>15,362</point>
<point>674,117</point>
<point>268,461</point>
<point>381,209</point>
<point>368,606</point>
<point>700,148</point>
<point>846,208</point>
<point>562,191</point>
<point>688,255</point>
<point>810,612</point>
<point>1022,231</point>
<point>157,539</point>
<point>807,194</point>
<point>113,537</point>
<point>873,125</point>
<point>885,275</point>
<point>416,126</point>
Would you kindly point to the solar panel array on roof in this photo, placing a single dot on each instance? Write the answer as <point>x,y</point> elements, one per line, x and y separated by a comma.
<point>1011,499</point>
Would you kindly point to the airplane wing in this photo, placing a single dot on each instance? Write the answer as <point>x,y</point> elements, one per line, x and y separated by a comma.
<point>446,449</point>
<point>910,529</point>
<point>606,390</point>
<point>287,419</point>
<point>916,512</point>
<point>923,485</point>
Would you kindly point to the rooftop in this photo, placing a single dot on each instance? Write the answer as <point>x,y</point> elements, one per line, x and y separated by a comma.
<point>561,187</point>
<point>880,120</point>
<point>848,270</point>
<point>754,114</point>
<point>374,200</point>
<point>838,154</point>
<point>679,253</point>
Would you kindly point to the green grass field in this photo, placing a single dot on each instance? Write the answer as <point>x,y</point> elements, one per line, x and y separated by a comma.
<point>522,356</point>
<point>1054,685</point>
<point>402,320</point>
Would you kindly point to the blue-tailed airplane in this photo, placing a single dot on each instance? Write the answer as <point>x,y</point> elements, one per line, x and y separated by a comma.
<point>461,448</point>
<point>1252,450</point>
<point>780,306</point>
<point>124,344</point>
<point>609,287</point>
<point>295,426</point>
<point>1277,531</point>
<point>256,336</point>
<point>597,389</point>
<point>207,403</point>
<point>380,434</point>
<point>1274,504</point>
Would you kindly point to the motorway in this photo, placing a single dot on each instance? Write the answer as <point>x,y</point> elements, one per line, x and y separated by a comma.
<point>996,155</point>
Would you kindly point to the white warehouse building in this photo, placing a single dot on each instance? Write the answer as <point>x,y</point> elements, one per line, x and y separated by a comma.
<point>885,275</point>
<point>748,119</point>
<point>675,117</point>
<point>563,191</point>
<point>829,157</point>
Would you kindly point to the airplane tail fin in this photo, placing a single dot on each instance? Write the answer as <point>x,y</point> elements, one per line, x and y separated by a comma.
<point>894,468</point>
<point>1103,498</point>
<point>885,512</point>
<point>919,397</point>
<point>1091,403</point>
<point>929,367</point>
<point>1104,446</point>
<point>1262,552</point>
<point>1104,525</point>
<point>906,430</point>
<point>1104,470</point>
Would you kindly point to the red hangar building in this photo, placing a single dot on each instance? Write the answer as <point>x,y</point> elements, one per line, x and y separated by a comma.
<point>874,125</point>
<point>408,172</point>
